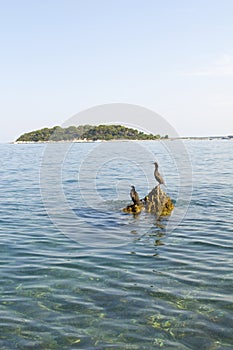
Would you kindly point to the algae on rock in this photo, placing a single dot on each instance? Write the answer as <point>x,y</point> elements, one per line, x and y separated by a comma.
<point>156,202</point>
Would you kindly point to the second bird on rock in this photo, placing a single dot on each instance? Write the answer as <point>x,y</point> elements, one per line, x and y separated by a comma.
<point>157,175</point>
<point>134,196</point>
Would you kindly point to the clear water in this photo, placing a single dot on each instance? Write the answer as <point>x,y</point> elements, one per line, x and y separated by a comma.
<point>110,280</point>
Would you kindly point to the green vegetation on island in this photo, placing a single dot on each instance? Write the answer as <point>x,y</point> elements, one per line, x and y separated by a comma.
<point>86,132</point>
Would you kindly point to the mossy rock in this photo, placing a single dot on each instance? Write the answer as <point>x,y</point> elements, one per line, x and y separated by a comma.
<point>134,208</point>
<point>156,202</point>
<point>168,207</point>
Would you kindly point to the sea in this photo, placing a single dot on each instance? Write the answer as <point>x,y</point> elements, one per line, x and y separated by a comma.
<point>76,272</point>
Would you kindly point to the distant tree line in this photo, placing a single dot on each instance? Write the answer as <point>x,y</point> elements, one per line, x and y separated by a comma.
<point>86,132</point>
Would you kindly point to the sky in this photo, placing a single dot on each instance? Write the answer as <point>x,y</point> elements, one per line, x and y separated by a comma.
<point>60,57</point>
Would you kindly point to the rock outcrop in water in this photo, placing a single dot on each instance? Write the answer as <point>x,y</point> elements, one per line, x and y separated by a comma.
<point>156,202</point>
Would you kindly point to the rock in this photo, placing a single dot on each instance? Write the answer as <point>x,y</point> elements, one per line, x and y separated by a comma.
<point>134,208</point>
<point>156,202</point>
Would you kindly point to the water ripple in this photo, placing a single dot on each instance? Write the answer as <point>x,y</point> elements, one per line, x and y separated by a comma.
<point>155,290</point>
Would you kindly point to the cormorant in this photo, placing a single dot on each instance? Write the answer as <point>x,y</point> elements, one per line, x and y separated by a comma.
<point>157,175</point>
<point>134,196</point>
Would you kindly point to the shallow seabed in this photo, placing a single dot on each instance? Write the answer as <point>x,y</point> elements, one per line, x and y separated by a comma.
<point>112,280</point>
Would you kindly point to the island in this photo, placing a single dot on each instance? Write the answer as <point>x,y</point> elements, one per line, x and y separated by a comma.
<point>86,133</point>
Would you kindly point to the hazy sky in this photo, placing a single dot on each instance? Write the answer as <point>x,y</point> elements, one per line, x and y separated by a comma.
<point>59,57</point>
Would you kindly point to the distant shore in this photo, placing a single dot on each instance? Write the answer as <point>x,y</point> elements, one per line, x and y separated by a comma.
<point>210,138</point>
<point>80,141</point>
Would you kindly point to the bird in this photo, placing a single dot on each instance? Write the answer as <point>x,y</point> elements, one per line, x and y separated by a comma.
<point>157,175</point>
<point>134,196</point>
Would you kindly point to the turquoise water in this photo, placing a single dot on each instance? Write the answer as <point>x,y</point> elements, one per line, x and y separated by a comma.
<point>105,279</point>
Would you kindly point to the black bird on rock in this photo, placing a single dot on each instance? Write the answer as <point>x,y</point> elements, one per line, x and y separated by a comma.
<point>157,175</point>
<point>134,196</point>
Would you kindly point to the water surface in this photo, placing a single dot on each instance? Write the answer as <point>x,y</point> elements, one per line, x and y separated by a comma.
<point>112,280</point>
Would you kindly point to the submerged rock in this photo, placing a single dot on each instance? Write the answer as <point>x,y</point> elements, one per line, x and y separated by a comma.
<point>156,202</point>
